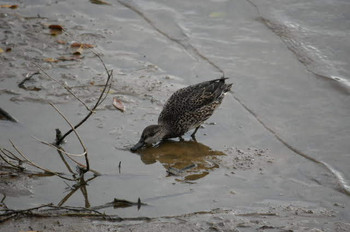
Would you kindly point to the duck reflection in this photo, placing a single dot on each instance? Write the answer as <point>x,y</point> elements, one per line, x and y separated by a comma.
<point>189,160</point>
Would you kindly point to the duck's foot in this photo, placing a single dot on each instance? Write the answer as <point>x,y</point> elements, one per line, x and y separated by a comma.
<point>194,138</point>
<point>194,133</point>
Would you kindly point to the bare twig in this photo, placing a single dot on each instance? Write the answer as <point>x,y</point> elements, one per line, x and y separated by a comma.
<point>67,197</point>
<point>50,210</point>
<point>63,85</point>
<point>69,155</point>
<point>37,166</point>
<point>18,167</point>
<point>76,133</point>
<point>70,124</point>
<point>28,77</point>
<point>13,156</point>
<point>81,184</point>
<point>102,97</point>
<point>59,149</point>
<point>66,163</point>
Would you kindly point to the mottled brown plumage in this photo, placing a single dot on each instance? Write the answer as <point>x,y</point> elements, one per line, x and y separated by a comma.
<point>186,109</point>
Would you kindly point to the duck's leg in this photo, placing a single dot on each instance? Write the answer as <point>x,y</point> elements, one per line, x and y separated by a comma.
<point>194,133</point>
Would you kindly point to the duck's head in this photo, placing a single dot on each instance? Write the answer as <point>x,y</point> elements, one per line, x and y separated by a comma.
<point>150,135</point>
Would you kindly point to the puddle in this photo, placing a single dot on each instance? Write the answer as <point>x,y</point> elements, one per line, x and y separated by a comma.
<point>196,158</point>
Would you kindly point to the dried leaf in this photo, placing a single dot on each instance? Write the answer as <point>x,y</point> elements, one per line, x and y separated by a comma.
<point>78,52</point>
<point>1,50</point>
<point>61,41</point>
<point>56,27</point>
<point>9,6</point>
<point>118,104</point>
<point>55,32</point>
<point>82,45</point>
<point>51,60</point>
<point>8,49</point>
<point>70,58</point>
<point>33,88</point>
<point>99,2</point>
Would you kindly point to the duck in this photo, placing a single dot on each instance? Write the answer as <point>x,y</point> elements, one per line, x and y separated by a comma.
<point>185,110</point>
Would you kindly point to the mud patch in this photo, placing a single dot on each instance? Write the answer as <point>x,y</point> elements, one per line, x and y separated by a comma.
<point>245,159</point>
<point>284,218</point>
<point>14,184</point>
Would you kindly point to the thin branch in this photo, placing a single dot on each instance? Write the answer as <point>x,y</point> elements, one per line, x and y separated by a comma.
<point>109,76</point>
<point>67,197</point>
<point>102,97</point>
<point>63,85</point>
<point>37,166</point>
<point>28,77</point>
<point>18,167</point>
<point>59,148</point>
<point>66,163</point>
<point>14,156</point>
<point>70,124</point>
<point>69,155</point>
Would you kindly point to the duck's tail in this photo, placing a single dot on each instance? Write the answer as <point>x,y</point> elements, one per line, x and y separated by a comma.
<point>226,87</point>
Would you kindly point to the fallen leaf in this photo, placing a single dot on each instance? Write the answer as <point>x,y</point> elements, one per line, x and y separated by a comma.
<point>55,27</point>
<point>61,41</point>
<point>99,2</point>
<point>33,88</point>
<point>1,50</point>
<point>118,104</point>
<point>55,32</point>
<point>9,6</point>
<point>51,60</point>
<point>82,45</point>
<point>70,58</point>
<point>78,52</point>
<point>8,49</point>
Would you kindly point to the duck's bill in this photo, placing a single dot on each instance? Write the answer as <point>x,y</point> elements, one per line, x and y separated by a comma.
<point>137,146</point>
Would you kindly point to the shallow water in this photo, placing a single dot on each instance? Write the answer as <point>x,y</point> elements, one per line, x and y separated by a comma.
<point>280,136</point>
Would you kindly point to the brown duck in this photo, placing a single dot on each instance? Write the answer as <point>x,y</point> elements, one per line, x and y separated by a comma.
<point>186,109</point>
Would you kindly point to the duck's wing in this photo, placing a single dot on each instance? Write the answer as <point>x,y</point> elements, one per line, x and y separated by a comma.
<point>193,98</point>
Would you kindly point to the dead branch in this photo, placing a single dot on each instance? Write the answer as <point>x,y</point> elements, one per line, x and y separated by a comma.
<point>50,210</point>
<point>70,124</point>
<point>63,85</point>
<point>81,184</point>
<point>12,156</point>
<point>60,150</point>
<point>66,163</point>
<point>15,166</point>
<point>102,97</point>
<point>36,165</point>
<point>80,141</point>
<point>28,77</point>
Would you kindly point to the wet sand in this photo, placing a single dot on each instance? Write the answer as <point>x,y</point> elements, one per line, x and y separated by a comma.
<point>273,157</point>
